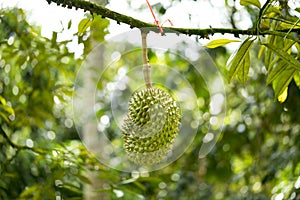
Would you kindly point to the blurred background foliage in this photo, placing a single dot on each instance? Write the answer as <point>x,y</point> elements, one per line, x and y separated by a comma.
<point>42,157</point>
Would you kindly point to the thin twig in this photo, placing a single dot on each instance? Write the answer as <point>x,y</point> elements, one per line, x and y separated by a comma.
<point>154,17</point>
<point>291,28</point>
<point>283,21</point>
<point>261,13</point>
<point>5,136</point>
<point>19,147</point>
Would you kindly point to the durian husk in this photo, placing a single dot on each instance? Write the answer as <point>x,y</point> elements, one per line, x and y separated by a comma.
<point>151,126</point>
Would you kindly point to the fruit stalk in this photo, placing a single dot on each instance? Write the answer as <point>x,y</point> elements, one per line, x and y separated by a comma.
<point>146,65</point>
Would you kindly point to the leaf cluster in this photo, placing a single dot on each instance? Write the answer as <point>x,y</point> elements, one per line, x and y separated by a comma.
<point>279,53</point>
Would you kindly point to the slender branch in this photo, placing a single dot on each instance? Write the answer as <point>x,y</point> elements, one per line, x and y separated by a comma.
<point>135,23</point>
<point>233,11</point>
<point>291,28</point>
<point>263,9</point>
<point>154,17</point>
<point>5,136</point>
<point>146,65</point>
<point>283,21</point>
<point>16,146</point>
<point>261,12</point>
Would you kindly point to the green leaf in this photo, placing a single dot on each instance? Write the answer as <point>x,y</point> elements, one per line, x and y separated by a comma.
<point>99,28</point>
<point>297,45</point>
<point>2,100</point>
<point>237,59</point>
<point>69,188</point>
<point>250,2</point>
<point>287,46</point>
<point>260,52</point>
<point>273,9</point>
<point>219,42</point>
<point>282,97</point>
<point>283,80</point>
<point>290,24</point>
<point>3,116</point>
<point>83,178</point>
<point>54,38</point>
<point>8,109</point>
<point>297,79</point>
<point>243,72</point>
<point>279,68</point>
<point>83,25</point>
<point>29,191</point>
<point>268,53</point>
<point>284,56</point>
<point>69,24</point>
<point>140,186</point>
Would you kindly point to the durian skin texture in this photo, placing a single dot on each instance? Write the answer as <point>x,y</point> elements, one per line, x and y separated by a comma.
<point>151,125</point>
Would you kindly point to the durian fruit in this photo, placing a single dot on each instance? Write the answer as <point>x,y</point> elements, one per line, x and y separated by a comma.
<point>151,125</point>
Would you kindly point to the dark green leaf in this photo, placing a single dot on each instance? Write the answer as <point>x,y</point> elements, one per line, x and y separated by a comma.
<point>236,60</point>
<point>243,72</point>
<point>279,68</point>
<point>283,80</point>
<point>28,192</point>
<point>69,24</point>
<point>269,55</point>
<point>274,9</point>
<point>297,79</point>
<point>284,56</point>
<point>83,178</point>
<point>71,189</point>
<point>140,186</point>
<point>297,45</point>
<point>54,38</point>
<point>3,116</point>
<point>133,182</point>
<point>287,46</point>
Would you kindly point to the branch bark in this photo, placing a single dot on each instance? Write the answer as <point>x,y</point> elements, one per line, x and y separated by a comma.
<point>135,23</point>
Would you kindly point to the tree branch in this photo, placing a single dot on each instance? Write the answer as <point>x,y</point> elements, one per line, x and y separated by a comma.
<point>19,147</point>
<point>5,136</point>
<point>135,23</point>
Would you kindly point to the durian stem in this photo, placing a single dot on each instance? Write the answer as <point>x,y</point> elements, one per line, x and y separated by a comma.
<point>146,65</point>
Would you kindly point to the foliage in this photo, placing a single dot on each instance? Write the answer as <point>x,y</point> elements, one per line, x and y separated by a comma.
<point>36,83</point>
<point>280,53</point>
<point>257,156</point>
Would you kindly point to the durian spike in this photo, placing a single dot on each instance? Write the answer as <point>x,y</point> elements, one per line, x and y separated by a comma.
<point>154,123</point>
<point>146,65</point>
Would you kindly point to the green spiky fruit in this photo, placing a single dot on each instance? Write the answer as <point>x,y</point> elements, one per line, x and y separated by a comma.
<point>150,126</point>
